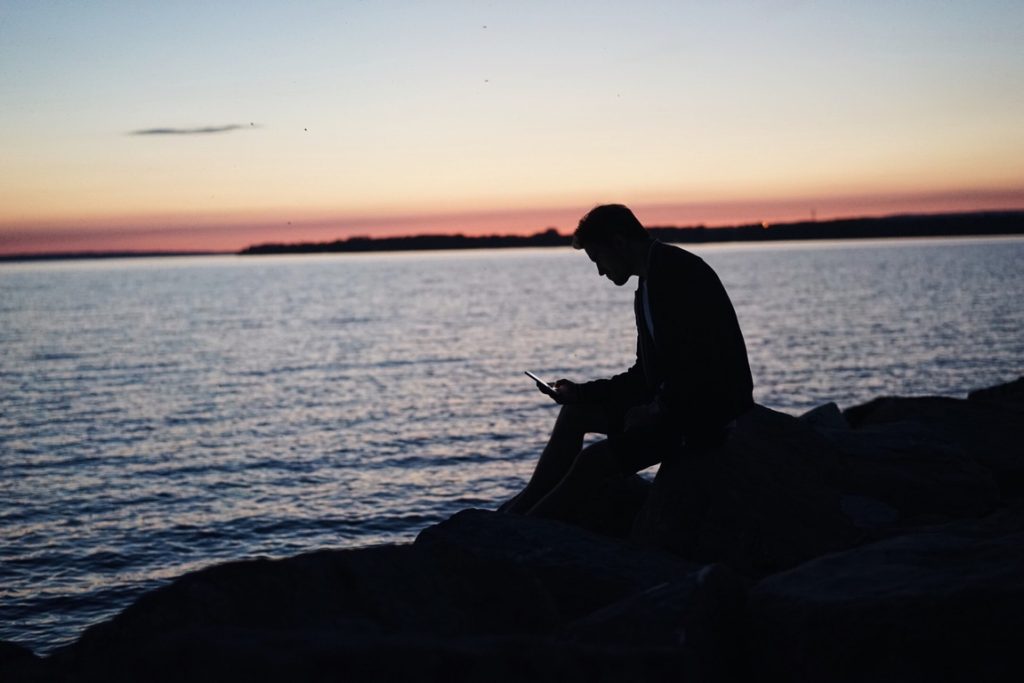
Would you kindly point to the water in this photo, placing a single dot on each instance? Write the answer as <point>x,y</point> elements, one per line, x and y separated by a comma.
<point>160,415</point>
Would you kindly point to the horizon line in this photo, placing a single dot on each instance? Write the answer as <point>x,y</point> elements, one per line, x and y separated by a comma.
<point>157,253</point>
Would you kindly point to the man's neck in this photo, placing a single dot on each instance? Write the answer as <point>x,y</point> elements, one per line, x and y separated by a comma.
<point>640,257</point>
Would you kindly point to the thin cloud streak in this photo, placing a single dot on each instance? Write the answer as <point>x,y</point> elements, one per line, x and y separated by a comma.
<point>202,130</point>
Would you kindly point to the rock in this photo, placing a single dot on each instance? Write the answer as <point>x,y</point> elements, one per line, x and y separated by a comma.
<point>342,599</point>
<point>578,571</point>
<point>1011,392</point>
<point>762,502</point>
<point>18,663</point>
<point>922,477</point>
<point>945,604</point>
<point>989,432</point>
<point>869,514</point>
<point>614,596</point>
<point>482,596</point>
<point>826,416</point>
<point>701,617</point>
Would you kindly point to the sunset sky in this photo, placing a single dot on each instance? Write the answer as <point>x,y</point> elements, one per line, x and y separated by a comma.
<point>216,125</point>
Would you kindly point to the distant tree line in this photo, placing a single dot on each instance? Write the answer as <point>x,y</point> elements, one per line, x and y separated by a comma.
<point>548,238</point>
<point>924,225</point>
<point>927,225</point>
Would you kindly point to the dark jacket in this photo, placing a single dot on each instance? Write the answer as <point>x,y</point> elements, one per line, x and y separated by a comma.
<point>694,373</point>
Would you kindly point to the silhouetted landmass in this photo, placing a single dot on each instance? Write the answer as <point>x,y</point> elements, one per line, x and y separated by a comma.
<point>932,225</point>
<point>548,238</point>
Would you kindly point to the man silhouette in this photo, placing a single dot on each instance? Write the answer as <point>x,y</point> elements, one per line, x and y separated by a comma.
<point>691,378</point>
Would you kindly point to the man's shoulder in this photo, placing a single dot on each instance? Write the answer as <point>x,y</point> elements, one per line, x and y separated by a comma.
<point>673,250</point>
<point>671,259</point>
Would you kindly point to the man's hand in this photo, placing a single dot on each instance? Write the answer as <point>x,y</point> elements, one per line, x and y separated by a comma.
<point>565,391</point>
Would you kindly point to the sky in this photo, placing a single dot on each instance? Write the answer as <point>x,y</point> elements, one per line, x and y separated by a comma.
<point>216,125</point>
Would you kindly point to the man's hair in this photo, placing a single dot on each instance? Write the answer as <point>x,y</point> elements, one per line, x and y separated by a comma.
<point>604,222</point>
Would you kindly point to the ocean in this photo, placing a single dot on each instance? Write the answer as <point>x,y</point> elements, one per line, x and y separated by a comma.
<point>160,415</point>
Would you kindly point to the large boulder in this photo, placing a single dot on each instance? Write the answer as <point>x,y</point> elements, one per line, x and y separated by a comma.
<point>626,602</point>
<point>1010,392</point>
<point>991,432</point>
<point>18,663</point>
<point>482,596</point>
<point>763,501</point>
<point>906,468</point>
<point>577,571</point>
<point>941,604</point>
<point>698,620</point>
<point>284,618</point>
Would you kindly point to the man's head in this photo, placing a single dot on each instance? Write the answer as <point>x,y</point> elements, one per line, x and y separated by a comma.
<point>611,235</point>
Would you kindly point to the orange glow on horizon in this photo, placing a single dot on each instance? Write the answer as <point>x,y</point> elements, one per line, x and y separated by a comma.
<point>231,232</point>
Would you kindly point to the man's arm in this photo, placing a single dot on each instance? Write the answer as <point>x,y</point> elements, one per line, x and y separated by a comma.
<point>595,391</point>
<point>629,383</point>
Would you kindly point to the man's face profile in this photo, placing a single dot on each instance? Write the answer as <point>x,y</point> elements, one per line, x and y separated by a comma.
<point>610,261</point>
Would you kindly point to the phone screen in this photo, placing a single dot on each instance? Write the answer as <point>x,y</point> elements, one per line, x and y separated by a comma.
<point>538,379</point>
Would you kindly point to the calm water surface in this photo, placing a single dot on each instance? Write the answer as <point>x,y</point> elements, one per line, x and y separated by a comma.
<point>160,415</point>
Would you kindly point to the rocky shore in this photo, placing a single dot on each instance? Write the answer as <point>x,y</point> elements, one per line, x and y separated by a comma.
<point>880,543</point>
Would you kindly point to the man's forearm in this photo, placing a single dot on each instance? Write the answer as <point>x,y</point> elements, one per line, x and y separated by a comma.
<point>627,383</point>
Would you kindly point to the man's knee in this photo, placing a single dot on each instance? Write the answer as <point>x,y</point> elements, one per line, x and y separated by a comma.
<point>574,411</point>
<point>583,417</point>
<point>596,460</point>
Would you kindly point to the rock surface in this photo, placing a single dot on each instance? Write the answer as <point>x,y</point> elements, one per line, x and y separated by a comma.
<point>945,604</point>
<point>764,501</point>
<point>1011,392</point>
<point>481,596</point>
<point>989,432</point>
<point>885,542</point>
<point>915,472</point>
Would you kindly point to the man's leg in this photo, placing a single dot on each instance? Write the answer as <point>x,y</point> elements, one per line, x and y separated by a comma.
<point>593,471</point>
<point>575,420</point>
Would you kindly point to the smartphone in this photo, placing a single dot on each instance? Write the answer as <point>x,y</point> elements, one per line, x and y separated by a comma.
<point>535,378</point>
